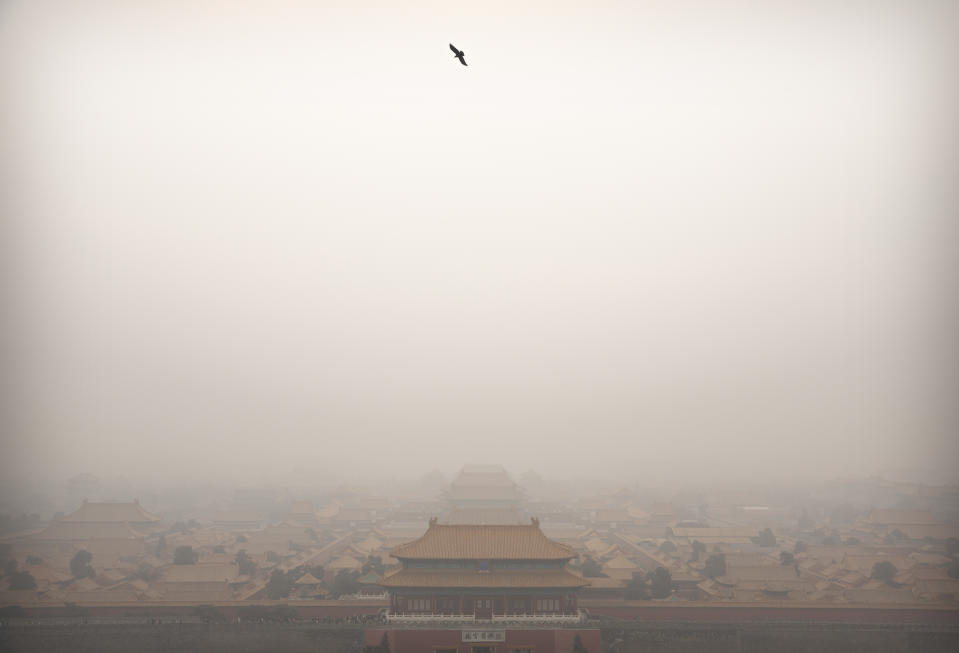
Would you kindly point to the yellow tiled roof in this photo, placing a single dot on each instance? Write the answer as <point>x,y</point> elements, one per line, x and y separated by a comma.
<point>880,596</point>
<point>483,475</point>
<point>897,517</point>
<point>464,542</point>
<point>609,515</point>
<point>101,596</point>
<point>345,562</point>
<point>237,516</point>
<point>307,579</point>
<point>864,563</point>
<point>456,578</point>
<point>938,531</point>
<point>607,583</point>
<point>203,595</point>
<point>484,516</point>
<point>621,562</point>
<point>763,572</point>
<point>65,530</point>
<point>200,573</point>
<point>716,532</point>
<point>353,514</point>
<point>110,512</point>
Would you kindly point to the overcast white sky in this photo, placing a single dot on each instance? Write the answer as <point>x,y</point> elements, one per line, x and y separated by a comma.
<point>634,236</point>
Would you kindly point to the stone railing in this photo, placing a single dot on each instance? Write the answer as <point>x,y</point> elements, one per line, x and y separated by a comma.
<point>540,618</point>
<point>416,618</point>
<point>363,597</point>
<point>394,617</point>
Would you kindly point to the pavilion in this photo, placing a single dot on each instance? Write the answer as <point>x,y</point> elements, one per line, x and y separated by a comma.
<point>483,572</point>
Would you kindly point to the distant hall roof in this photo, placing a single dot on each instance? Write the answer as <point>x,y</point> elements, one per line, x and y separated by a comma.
<point>110,512</point>
<point>484,493</point>
<point>483,469</point>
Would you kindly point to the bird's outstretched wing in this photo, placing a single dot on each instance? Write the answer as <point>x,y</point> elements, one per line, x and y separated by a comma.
<point>455,51</point>
<point>462,59</point>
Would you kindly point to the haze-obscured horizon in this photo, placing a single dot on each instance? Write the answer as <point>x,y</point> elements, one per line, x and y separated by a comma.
<point>657,240</point>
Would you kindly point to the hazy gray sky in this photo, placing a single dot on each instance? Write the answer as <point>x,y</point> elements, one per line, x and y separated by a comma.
<point>711,236</point>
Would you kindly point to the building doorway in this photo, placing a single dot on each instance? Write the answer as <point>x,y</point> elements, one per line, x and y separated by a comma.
<point>483,609</point>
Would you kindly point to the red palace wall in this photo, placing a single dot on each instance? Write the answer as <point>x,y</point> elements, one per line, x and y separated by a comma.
<point>414,640</point>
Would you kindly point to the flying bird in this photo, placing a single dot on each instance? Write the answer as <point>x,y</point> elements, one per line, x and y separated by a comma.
<point>459,54</point>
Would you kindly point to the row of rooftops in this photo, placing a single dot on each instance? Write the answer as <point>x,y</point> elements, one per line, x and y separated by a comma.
<point>819,573</point>
<point>450,540</point>
<point>107,512</point>
<point>915,524</point>
<point>486,494</point>
<point>131,521</point>
<point>828,573</point>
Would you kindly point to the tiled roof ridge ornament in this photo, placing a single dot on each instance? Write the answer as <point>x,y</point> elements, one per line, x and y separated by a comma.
<point>535,521</point>
<point>432,522</point>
